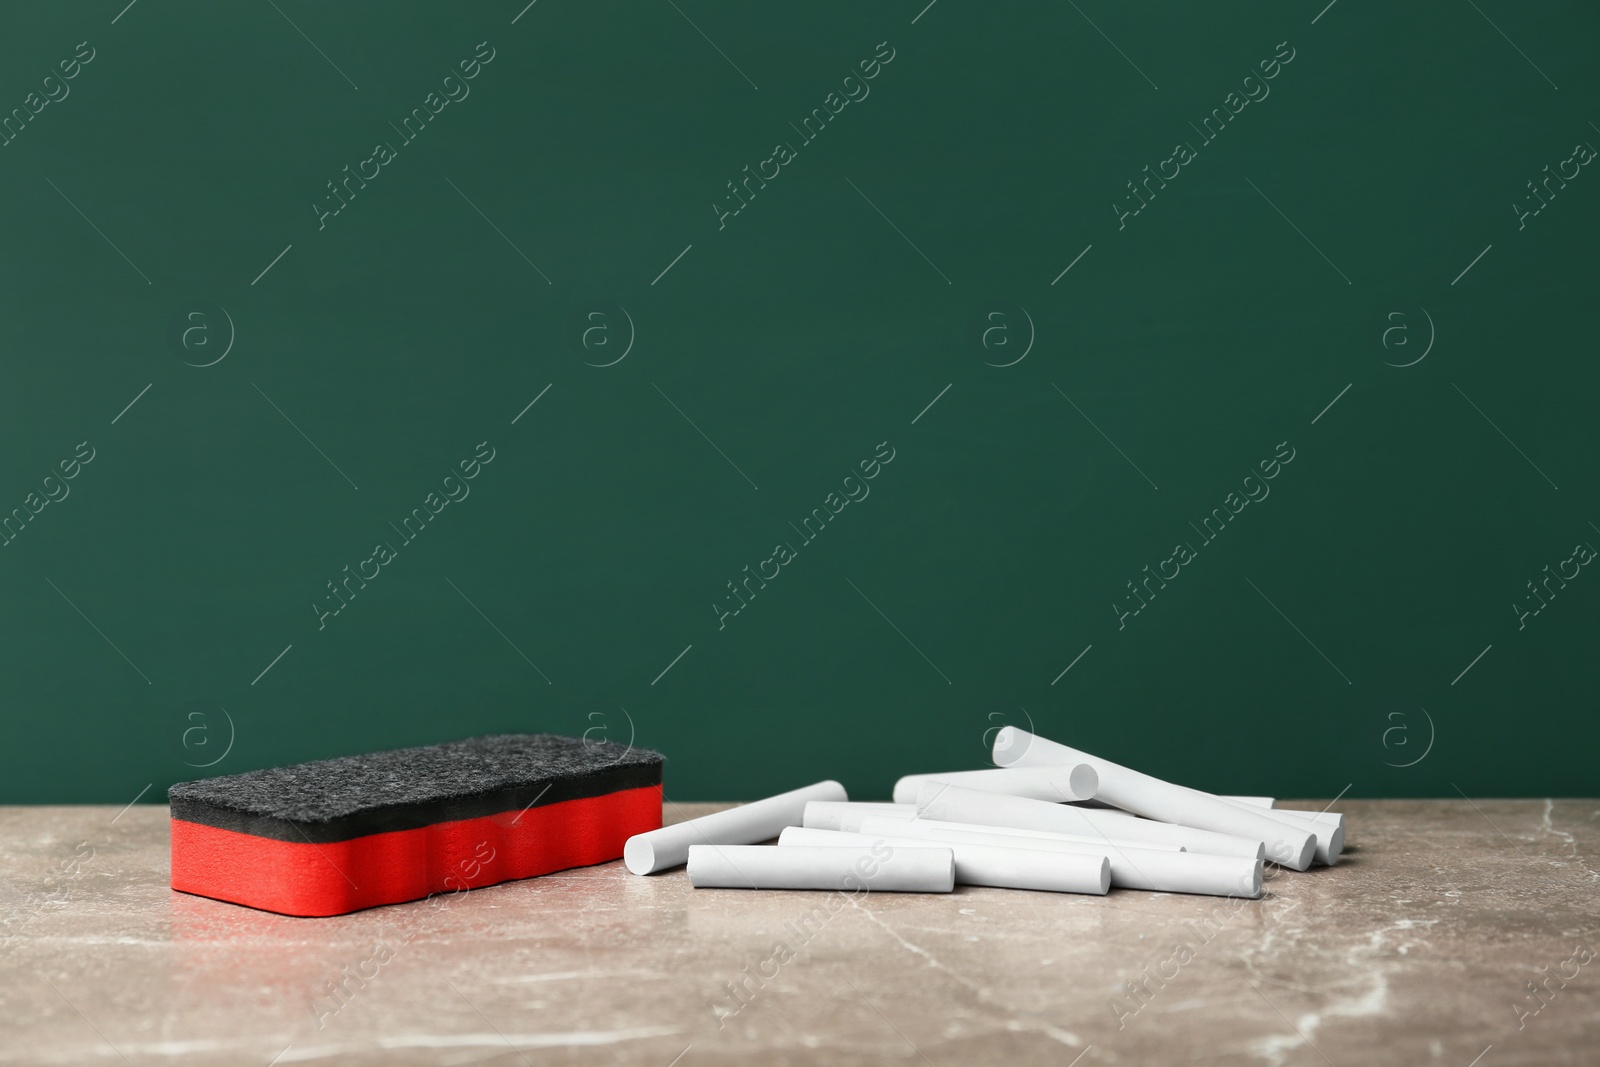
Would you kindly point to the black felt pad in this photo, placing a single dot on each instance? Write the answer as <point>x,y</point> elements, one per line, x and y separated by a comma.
<point>405,788</point>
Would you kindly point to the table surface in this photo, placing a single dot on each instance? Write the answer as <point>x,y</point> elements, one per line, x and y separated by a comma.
<point>1415,949</point>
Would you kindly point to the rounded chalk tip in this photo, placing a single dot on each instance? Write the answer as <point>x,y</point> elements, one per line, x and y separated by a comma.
<point>1255,881</point>
<point>1084,782</point>
<point>1335,845</point>
<point>639,855</point>
<point>1008,746</point>
<point>834,791</point>
<point>1296,854</point>
<point>1105,875</point>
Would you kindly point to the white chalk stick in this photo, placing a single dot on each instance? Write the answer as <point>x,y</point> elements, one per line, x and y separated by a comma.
<point>847,815</point>
<point>984,863</point>
<point>954,803</point>
<point>1130,867</point>
<point>880,868</point>
<point>747,824</point>
<point>1330,836</point>
<point>1153,798</point>
<point>1323,818</point>
<point>1082,842</point>
<point>1058,784</point>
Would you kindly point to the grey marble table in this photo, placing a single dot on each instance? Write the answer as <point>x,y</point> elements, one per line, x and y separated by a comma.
<point>1418,948</point>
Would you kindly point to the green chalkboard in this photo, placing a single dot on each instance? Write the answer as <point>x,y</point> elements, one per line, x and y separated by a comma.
<point>801,390</point>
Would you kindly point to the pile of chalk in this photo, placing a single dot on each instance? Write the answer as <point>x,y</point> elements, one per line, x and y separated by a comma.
<point>1046,817</point>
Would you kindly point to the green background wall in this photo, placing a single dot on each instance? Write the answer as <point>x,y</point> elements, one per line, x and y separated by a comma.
<point>912,252</point>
